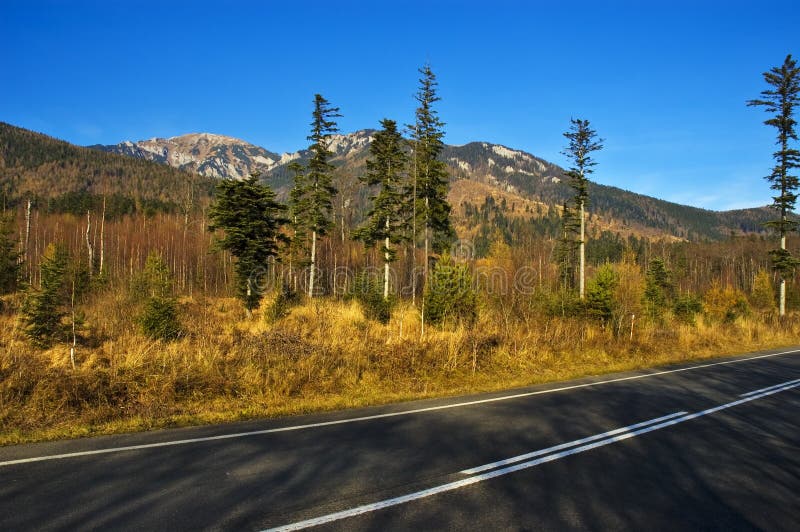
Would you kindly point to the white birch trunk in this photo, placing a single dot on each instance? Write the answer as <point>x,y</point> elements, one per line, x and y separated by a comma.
<point>782,296</point>
<point>386,266</point>
<point>102,236</point>
<point>313,269</point>
<point>89,249</point>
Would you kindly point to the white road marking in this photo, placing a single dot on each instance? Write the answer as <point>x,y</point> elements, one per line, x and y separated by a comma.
<point>367,508</point>
<point>376,416</point>
<point>567,445</point>
<point>769,388</point>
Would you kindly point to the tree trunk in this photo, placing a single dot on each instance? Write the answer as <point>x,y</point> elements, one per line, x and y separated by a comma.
<point>102,236</point>
<point>312,271</point>
<point>89,249</point>
<point>782,297</point>
<point>74,336</point>
<point>343,207</point>
<point>427,239</point>
<point>583,256</point>
<point>386,269</point>
<point>414,230</point>
<point>422,319</point>
<point>27,240</point>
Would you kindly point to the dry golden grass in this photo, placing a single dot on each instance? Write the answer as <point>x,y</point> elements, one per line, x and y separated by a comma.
<point>324,355</point>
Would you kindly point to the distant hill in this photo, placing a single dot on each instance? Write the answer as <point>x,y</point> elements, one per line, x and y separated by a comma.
<point>65,177</point>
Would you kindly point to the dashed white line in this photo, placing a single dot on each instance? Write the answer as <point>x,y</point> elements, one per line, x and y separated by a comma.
<point>367,508</point>
<point>376,416</point>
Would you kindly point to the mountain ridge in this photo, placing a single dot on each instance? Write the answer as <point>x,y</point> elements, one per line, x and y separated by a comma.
<point>509,169</point>
<point>59,168</point>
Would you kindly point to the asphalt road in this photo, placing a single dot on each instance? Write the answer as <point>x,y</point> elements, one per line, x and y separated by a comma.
<point>664,449</point>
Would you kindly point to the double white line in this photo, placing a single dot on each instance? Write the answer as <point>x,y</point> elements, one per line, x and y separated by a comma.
<point>504,467</point>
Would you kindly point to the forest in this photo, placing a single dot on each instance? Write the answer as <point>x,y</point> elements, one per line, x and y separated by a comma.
<point>137,296</point>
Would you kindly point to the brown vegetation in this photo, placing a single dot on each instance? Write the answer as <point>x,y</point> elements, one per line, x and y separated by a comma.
<point>324,354</point>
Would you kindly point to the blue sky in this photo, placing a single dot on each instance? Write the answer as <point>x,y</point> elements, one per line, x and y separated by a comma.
<point>664,83</point>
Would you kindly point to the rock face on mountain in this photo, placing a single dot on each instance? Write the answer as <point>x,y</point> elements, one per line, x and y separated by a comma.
<point>203,153</point>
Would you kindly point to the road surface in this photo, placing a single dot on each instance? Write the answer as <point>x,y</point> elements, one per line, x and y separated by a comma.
<point>709,445</point>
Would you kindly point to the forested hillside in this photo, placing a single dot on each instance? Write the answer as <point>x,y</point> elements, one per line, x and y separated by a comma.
<point>61,177</point>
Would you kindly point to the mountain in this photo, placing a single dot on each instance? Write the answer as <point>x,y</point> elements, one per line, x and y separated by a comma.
<point>65,177</point>
<point>498,167</point>
<point>163,174</point>
<point>206,154</point>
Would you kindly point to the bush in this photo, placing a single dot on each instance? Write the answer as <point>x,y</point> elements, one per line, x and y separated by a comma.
<point>564,303</point>
<point>763,294</point>
<point>450,295</point>
<point>600,302</point>
<point>686,308</point>
<point>369,294</point>
<point>725,304</point>
<point>286,299</point>
<point>160,319</point>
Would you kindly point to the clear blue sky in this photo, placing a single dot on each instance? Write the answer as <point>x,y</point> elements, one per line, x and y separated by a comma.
<point>664,83</point>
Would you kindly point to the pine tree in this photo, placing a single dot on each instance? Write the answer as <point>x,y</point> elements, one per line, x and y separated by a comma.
<point>251,219</point>
<point>658,288</point>
<point>9,257</point>
<point>781,100</point>
<point>450,294</point>
<point>313,194</point>
<point>159,319</point>
<point>600,302</point>
<point>44,309</point>
<point>430,179</point>
<point>387,219</point>
<point>582,142</point>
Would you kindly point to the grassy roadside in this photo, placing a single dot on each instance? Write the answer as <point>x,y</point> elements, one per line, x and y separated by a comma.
<point>323,356</point>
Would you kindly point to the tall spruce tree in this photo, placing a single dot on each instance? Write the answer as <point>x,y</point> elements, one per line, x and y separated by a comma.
<point>312,196</point>
<point>781,100</point>
<point>429,175</point>
<point>297,250</point>
<point>389,215</point>
<point>251,219</point>
<point>582,142</point>
<point>9,257</point>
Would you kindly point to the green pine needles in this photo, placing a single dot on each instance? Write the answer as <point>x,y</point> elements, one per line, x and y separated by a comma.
<point>159,318</point>
<point>250,219</point>
<point>582,142</point>
<point>9,257</point>
<point>45,308</point>
<point>311,199</point>
<point>430,179</point>
<point>391,211</point>
<point>450,295</point>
